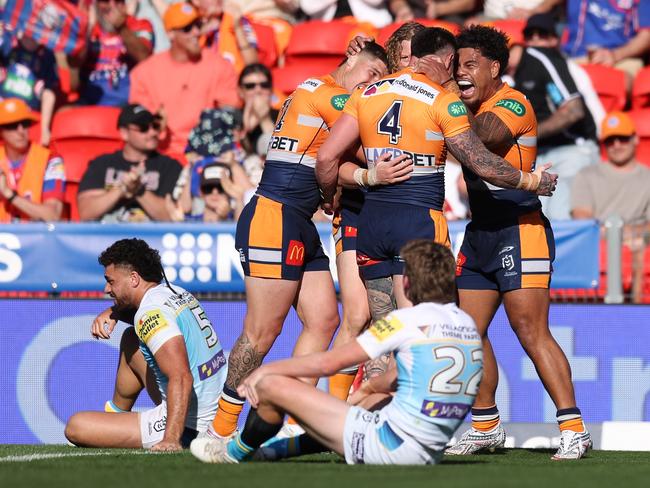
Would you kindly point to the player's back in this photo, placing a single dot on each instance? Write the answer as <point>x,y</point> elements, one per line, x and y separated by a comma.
<point>488,202</point>
<point>164,314</point>
<point>301,128</point>
<point>440,364</point>
<point>406,113</point>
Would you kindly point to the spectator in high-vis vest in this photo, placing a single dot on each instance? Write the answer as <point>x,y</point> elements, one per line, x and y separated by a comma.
<point>32,178</point>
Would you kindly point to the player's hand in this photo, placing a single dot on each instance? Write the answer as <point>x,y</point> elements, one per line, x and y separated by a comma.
<point>167,446</point>
<point>547,181</point>
<point>361,394</point>
<point>103,325</point>
<point>248,388</point>
<point>433,68</point>
<point>356,45</point>
<point>390,171</point>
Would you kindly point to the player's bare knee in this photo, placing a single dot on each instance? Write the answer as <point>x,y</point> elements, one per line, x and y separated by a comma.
<point>356,320</point>
<point>326,322</point>
<point>73,429</point>
<point>527,330</point>
<point>261,333</point>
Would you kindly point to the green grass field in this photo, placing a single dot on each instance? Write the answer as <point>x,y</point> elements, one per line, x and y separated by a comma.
<point>68,467</point>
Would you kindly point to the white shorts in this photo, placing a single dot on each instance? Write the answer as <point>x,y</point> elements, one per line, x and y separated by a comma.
<point>152,427</point>
<point>369,439</point>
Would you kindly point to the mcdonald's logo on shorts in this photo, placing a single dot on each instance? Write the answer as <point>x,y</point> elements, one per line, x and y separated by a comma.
<point>296,253</point>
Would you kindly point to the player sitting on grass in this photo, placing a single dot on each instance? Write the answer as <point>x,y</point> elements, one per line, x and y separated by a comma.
<point>177,345</point>
<point>439,365</point>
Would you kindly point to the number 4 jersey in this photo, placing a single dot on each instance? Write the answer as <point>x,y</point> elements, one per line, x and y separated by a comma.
<point>439,367</point>
<point>163,315</point>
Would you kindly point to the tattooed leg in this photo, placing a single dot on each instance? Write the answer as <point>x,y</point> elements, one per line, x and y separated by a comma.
<point>381,298</point>
<point>381,301</point>
<point>244,358</point>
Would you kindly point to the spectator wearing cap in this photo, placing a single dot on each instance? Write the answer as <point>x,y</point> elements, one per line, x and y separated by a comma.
<point>182,81</point>
<point>619,185</point>
<point>117,43</point>
<point>32,178</point>
<point>566,131</point>
<point>130,185</point>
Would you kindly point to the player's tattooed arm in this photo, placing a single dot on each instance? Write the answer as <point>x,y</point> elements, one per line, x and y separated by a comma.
<point>564,117</point>
<point>381,298</point>
<point>471,153</point>
<point>492,131</point>
<point>243,360</point>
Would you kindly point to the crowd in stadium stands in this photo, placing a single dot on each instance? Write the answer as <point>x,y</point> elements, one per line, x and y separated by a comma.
<point>203,83</point>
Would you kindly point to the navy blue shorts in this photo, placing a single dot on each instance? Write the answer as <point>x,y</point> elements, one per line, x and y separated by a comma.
<point>384,228</point>
<point>277,241</point>
<point>345,225</point>
<point>515,254</point>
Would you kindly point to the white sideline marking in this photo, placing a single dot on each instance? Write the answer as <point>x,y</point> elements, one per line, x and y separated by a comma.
<point>58,455</point>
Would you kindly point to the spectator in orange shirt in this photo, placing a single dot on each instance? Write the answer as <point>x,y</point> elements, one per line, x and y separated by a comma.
<point>177,84</point>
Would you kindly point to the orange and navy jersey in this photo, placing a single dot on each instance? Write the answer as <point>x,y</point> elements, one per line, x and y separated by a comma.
<point>488,202</point>
<point>406,113</point>
<point>301,128</point>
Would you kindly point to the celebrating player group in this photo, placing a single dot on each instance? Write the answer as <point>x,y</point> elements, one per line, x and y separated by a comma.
<point>367,143</point>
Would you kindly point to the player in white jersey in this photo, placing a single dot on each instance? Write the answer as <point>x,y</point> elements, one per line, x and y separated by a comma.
<point>178,347</point>
<point>438,359</point>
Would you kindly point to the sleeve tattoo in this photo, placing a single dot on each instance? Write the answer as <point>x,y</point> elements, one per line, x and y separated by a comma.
<point>243,360</point>
<point>381,298</point>
<point>492,131</point>
<point>468,149</point>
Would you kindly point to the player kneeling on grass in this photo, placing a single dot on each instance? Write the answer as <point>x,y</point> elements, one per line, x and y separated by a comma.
<point>439,365</point>
<point>177,347</point>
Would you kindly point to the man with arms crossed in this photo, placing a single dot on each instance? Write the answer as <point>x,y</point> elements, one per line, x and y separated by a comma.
<point>508,247</point>
<point>438,355</point>
<point>176,342</point>
<point>279,246</point>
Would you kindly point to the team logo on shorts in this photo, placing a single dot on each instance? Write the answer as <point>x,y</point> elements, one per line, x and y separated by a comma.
<point>508,262</point>
<point>460,261</point>
<point>444,410</point>
<point>295,253</point>
<point>357,447</point>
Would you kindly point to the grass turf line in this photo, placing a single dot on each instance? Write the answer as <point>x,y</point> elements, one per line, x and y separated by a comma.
<point>112,468</point>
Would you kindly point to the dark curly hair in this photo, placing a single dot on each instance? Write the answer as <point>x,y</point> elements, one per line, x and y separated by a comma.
<point>492,43</point>
<point>136,255</point>
<point>431,40</point>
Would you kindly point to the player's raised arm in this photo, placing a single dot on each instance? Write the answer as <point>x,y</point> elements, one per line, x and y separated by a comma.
<point>468,149</point>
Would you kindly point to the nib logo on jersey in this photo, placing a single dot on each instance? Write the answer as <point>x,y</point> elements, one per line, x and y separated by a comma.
<point>188,257</point>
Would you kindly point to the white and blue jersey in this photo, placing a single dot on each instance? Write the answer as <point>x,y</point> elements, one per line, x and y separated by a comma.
<point>163,315</point>
<point>439,366</point>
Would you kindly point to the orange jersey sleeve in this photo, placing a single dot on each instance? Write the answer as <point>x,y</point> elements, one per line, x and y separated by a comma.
<point>516,112</point>
<point>352,106</point>
<point>450,114</point>
<point>304,120</point>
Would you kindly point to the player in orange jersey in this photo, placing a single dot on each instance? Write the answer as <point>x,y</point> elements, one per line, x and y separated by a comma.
<point>508,248</point>
<point>436,121</point>
<point>280,249</point>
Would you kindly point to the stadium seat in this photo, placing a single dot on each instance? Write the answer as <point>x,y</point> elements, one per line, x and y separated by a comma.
<point>317,40</point>
<point>385,32</point>
<point>610,85</point>
<point>286,79</point>
<point>79,135</point>
<point>641,89</point>
<point>513,28</point>
<point>641,119</point>
<point>266,48</point>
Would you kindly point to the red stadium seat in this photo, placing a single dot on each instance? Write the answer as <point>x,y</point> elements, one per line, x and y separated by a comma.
<point>513,28</point>
<point>641,89</point>
<point>266,48</point>
<point>388,30</point>
<point>318,40</point>
<point>286,79</point>
<point>79,135</point>
<point>610,85</point>
<point>641,119</point>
